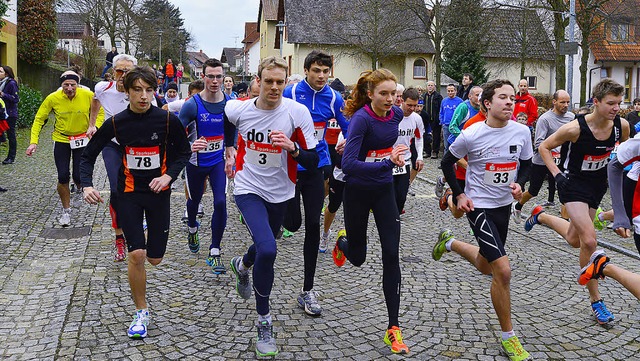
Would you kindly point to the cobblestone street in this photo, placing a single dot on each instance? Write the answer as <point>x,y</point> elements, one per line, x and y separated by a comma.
<point>63,298</point>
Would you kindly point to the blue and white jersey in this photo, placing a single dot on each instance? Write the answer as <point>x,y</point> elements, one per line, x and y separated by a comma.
<point>324,105</point>
<point>206,120</point>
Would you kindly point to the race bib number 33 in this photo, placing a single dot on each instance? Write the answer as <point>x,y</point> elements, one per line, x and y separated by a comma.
<point>263,154</point>
<point>143,158</point>
<point>496,174</point>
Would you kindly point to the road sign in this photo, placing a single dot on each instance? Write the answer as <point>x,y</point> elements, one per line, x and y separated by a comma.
<point>568,48</point>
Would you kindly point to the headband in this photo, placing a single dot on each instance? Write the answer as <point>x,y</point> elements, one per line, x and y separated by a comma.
<point>69,76</point>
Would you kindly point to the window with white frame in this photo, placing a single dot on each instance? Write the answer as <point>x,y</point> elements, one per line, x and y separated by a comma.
<point>532,82</point>
<point>420,69</point>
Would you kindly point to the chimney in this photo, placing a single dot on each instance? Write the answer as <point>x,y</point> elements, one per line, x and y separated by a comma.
<point>201,50</point>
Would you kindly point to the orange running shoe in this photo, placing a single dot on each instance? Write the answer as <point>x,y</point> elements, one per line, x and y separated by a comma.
<point>119,250</point>
<point>393,338</point>
<point>444,200</point>
<point>338,256</point>
<point>593,269</point>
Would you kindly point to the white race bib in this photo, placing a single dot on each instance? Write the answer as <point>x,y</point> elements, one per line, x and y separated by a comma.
<point>498,174</point>
<point>263,154</point>
<point>401,170</point>
<point>143,158</point>
<point>319,128</point>
<point>214,144</point>
<point>595,162</point>
<point>78,141</point>
<point>378,155</point>
<point>556,157</point>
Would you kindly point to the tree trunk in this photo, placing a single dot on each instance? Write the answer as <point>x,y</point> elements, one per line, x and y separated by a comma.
<point>584,61</point>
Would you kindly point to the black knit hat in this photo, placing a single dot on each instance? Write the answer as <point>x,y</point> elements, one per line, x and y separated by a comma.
<point>337,85</point>
<point>173,86</point>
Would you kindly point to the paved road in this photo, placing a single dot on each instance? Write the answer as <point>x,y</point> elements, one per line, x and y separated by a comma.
<point>62,297</point>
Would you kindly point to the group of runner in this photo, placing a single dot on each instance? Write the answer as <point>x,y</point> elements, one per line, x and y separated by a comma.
<point>304,141</point>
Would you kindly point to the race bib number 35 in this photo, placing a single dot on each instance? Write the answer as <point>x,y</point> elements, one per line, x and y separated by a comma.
<point>263,154</point>
<point>78,141</point>
<point>595,162</point>
<point>214,144</point>
<point>496,174</point>
<point>378,155</point>
<point>143,158</point>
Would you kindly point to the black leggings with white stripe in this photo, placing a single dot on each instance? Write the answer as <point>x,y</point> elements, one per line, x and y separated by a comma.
<point>490,227</point>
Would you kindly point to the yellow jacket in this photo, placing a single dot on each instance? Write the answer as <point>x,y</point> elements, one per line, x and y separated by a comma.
<point>71,115</point>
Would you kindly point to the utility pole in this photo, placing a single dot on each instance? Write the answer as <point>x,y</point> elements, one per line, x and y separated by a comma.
<point>280,27</point>
<point>160,50</point>
<point>572,26</point>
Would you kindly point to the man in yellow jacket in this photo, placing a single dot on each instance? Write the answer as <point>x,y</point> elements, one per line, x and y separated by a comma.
<point>71,106</point>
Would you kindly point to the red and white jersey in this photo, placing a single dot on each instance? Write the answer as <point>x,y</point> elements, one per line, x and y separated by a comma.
<point>493,159</point>
<point>411,127</point>
<point>629,152</point>
<point>262,168</point>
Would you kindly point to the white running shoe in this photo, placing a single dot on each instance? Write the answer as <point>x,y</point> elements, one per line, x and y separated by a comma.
<point>65,219</point>
<point>516,215</point>
<point>324,242</point>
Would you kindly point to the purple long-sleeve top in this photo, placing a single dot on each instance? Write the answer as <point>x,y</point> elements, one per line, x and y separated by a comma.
<point>368,133</point>
<point>10,98</point>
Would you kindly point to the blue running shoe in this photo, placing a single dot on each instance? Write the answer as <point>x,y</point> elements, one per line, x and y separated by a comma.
<point>603,316</point>
<point>533,218</point>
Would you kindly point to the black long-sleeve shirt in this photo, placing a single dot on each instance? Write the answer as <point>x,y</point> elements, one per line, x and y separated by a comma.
<point>152,144</point>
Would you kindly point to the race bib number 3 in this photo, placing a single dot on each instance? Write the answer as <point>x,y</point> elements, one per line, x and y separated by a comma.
<point>214,144</point>
<point>496,174</point>
<point>263,154</point>
<point>378,155</point>
<point>595,162</point>
<point>78,141</point>
<point>143,158</point>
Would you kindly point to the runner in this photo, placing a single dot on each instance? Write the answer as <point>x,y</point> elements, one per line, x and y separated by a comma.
<point>410,128</point>
<point>273,134</point>
<point>586,145</point>
<point>71,131</point>
<point>547,124</point>
<point>368,161</point>
<point>499,157</point>
<point>203,116</point>
<point>111,97</point>
<point>325,106</point>
<point>155,149</point>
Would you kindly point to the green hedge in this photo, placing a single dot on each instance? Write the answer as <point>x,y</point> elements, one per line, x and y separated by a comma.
<point>30,100</point>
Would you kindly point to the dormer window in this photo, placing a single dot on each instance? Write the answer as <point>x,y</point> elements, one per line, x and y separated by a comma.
<point>620,32</point>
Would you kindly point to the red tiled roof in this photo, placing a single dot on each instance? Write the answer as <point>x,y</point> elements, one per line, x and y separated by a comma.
<point>606,51</point>
<point>251,34</point>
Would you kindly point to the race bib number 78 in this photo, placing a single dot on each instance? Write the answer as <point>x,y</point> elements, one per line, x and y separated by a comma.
<point>143,158</point>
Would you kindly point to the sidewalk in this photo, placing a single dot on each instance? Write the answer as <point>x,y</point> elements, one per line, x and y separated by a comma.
<point>63,298</point>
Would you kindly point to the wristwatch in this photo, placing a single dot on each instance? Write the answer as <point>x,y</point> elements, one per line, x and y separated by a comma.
<point>295,150</point>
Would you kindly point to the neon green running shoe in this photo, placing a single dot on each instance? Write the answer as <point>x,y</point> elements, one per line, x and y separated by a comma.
<point>514,350</point>
<point>286,233</point>
<point>441,245</point>
<point>597,223</point>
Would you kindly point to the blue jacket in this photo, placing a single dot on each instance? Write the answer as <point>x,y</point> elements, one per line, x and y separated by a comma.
<point>447,108</point>
<point>323,105</point>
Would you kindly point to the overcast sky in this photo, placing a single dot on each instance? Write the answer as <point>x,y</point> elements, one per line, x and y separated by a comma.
<point>215,24</point>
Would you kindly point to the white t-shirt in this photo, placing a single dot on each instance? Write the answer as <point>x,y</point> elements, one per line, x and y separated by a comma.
<point>411,127</point>
<point>493,157</point>
<point>337,172</point>
<point>629,152</point>
<point>262,169</point>
<point>176,105</point>
<point>110,98</point>
<point>112,101</point>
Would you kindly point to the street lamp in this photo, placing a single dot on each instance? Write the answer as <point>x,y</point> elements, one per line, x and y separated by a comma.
<point>160,50</point>
<point>280,27</point>
<point>66,45</point>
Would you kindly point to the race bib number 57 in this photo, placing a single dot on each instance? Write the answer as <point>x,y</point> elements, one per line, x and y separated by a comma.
<point>263,154</point>
<point>78,141</point>
<point>497,174</point>
<point>143,158</point>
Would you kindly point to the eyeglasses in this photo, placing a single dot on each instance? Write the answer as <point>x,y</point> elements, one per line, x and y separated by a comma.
<point>212,76</point>
<point>122,71</point>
